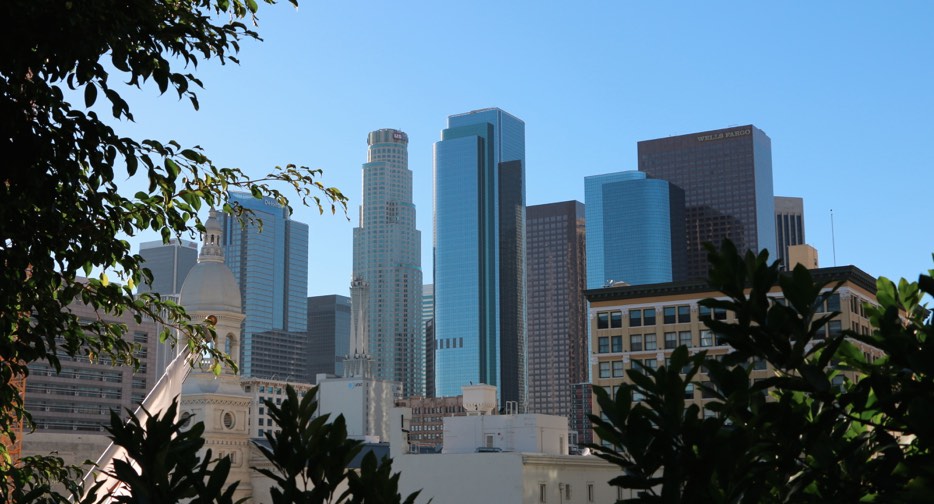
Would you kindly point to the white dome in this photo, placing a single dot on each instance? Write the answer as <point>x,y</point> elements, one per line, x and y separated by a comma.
<point>210,287</point>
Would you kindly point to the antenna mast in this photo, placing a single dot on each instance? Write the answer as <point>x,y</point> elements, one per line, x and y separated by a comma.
<point>833,238</point>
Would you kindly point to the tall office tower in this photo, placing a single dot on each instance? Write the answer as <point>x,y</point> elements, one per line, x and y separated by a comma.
<point>479,247</point>
<point>789,226</point>
<point>169,264</point>
<point>635,229</point>
<point>328,334</point>
<point>428,336</point>
<point>726,175</point>
<point>387,257</point>
<point>556,266</point>
<point>270,265</point>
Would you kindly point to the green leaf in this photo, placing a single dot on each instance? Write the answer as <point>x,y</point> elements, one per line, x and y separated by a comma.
<point>90,94</point>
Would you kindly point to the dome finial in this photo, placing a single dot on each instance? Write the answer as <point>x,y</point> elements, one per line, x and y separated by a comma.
<point>212,247</point>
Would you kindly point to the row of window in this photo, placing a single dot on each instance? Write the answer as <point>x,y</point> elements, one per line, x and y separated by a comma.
<point>640,317</point>
<point>649,341</point>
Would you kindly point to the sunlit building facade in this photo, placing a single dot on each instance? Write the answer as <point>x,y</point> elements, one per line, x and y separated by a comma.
<point>479,247</point>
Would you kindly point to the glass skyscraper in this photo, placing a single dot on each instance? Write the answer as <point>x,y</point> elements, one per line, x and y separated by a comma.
<point>328,335</point>
<point>479,248</point>
<point>726,175</point>
<point>387,256</point>
<point>271,267</point>
<point>635,229</point>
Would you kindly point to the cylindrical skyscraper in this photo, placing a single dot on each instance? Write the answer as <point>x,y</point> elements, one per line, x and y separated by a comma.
<point>387,256</point>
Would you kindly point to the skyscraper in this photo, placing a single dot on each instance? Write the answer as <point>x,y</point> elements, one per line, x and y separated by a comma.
<point>635,229</point>
<point>387,257</point>
<point>726,175</point>
<point>479,247</point>
<point>789,226</point>
<point>328,334</point>
<point>557,310</point>
<point>271,267</point>
<point>428,335</point>
<point>169,264</point>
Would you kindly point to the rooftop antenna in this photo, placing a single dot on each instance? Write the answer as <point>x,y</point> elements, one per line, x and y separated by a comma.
<point>833,238</point>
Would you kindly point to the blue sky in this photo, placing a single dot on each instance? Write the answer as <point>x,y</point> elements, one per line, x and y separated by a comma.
<point>845,90</point>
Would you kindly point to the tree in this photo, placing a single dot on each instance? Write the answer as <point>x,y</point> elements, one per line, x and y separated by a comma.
<point>810,433</point>
<point>61,211</point>
<point>310,455</point>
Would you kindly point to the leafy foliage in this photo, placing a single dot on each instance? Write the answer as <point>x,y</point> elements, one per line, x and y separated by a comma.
<point>829,425</point>
<point>310,456</point>
<point>163,462</point>
<point>61,211</point>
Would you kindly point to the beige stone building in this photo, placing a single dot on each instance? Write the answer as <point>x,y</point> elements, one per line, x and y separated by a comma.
<point>642,325</point>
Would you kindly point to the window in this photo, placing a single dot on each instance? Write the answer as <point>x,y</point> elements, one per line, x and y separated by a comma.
<point>650,363</point>
<point>833,303</point>
<point>635,342</point>
<point>617,369</point>
<point>604,370</point>
<point>834,328</point>
<point>650,342</point>
<point>671,340</point>
<point>707,390</point>
<point>617,343</point>
<point>703,312</point>
<point>719,313</point>
<point>567,491</point>
<point>616,319</point>
<point>589,492</point>
<point>603,344</point>
<point>603,320</point>
<point>542,492</point>
<point>648,316</point>
<point>684,314</point>
<point>668,314</point>
<point>686,338</point>
<point>758,364</point>
<point>689,391</point>
<point>706,338</point>
<point>635,318</point>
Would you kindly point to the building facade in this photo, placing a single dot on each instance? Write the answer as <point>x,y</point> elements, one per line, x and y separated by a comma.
<point>635,326</point>
<point>328,335</point>
<point>169,263</point>
<point>426,425</point>
<point>636,229</point>
<point>557,311</point>
<point>428,336</point>
<point>479,247</point>
<point>726,176</point>
<point>387,256</point>
<point>789,227</point>
<point>269,261</point>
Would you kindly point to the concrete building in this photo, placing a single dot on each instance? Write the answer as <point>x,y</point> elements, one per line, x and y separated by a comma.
<point>635,229</point>
<point>556,263</point>
<point>802,254</point>
<point>479,247</point>
<point>71,408</point>
<point>426,424</point>
<point>328,335</point>
<point>500,458</point>
<point>789,227</point>
<point>387,256</point>
<point>261,390</point>
<point>634,326</point>
<point>270,265</point>
<point>365,403</point>
<point>726,176</point>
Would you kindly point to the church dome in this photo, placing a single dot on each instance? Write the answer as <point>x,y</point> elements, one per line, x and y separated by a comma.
<point>210,286</point>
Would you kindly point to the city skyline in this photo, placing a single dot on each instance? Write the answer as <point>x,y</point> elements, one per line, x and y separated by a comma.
<point>837,88</point>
